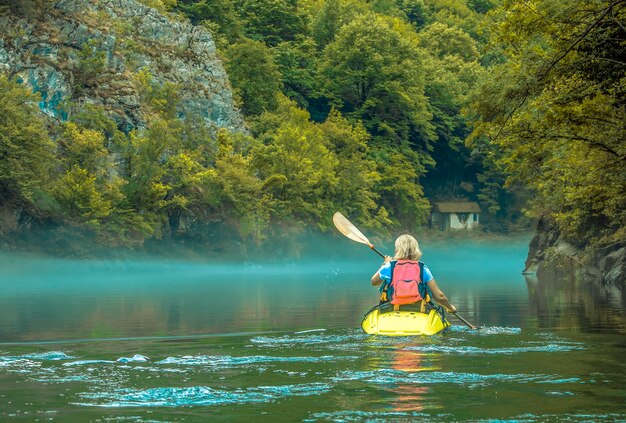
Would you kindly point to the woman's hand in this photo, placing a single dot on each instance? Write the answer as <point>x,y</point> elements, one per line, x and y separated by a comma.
<point>387,259</point>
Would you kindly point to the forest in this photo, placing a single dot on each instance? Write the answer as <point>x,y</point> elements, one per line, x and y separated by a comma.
<point>373,108</point>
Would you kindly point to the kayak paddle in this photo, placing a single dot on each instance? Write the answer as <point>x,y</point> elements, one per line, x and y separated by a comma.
<point>348,229</point>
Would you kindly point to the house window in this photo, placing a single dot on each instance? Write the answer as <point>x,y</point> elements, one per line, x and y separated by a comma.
<point>475,217</point>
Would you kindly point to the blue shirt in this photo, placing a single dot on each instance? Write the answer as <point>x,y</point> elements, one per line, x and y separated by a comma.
<point>385,274</point>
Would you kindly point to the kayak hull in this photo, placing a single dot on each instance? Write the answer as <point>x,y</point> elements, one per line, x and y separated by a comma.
<point>403,323</point>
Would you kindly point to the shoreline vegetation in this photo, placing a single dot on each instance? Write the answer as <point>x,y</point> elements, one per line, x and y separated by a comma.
<point>235,126</point>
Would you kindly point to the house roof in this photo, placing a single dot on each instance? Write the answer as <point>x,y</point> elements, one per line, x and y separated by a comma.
<point>457,207</point>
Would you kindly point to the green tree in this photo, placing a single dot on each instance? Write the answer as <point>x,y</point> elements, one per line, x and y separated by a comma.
<point>272,21</point>
<point>297,62</point>
<point>296,165</point>
<point>452,71</point>
<point>502,201</point>
<point>442,40</point>
<point>92,61</point>
<point>184,179</point>
<point>327,22</point>
<point>482,6</point>
<point>401,194</point>
<point>26,151</point>
<point>95,118</point>
<point>218,15</point>
<point>161,98</point>
<point>556,110</point>
<point>373,72</point>
<point>86,191</point>
<point>415,11</point>
<point>254,75</point>
<point>83,198</point>
<point>328,18</point>
<point>235,191</point>
<point>356,173</point>
<point>84,148</point>
<point>144,165</point>
<point>455,14</point>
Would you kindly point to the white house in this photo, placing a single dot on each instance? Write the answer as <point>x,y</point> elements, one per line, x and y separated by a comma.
<point>455,215</point>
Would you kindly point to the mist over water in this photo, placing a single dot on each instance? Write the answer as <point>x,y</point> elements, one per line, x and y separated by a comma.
<point>277,338</point>
<point>54,299</point>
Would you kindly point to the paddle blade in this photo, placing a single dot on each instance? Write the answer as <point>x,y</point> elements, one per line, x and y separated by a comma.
<point>348,229</point>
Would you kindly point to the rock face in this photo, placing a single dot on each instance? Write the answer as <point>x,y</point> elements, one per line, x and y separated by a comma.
<point>547,234</point>
<point>88,52</point>
<point>548,250</point>
<point>613,268</point>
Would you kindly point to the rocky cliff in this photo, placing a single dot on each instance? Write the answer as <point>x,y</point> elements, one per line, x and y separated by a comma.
<point>550,252</point>
<point>87,52</point>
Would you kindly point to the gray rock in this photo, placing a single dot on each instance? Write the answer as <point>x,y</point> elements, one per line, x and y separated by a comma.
<point>45,55</point>
<point>549,250</point>
<point>613,266</point>
<point>129,100</point>
<point>4,58</point>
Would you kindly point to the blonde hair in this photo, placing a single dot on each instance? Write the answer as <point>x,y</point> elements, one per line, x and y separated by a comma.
<point>407,248</point>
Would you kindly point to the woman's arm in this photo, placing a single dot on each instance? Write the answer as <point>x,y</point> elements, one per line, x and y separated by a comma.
<point>439,296</point>
<point>376,280</point>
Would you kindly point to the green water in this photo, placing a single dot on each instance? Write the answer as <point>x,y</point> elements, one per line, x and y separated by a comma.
<point>166,340</point>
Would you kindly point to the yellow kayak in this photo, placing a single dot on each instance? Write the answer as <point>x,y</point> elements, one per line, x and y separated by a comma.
<point>403,322</point>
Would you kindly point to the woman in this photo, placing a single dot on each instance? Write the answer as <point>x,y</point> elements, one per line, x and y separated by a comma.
<point>407,248</point>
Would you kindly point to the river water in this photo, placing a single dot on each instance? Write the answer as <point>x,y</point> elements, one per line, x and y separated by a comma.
<point>171,340</point>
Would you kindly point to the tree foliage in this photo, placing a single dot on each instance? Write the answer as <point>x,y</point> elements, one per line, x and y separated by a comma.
<point>389,84</point>
<point>309,170</point>
<point>272,21</point>
<point>556,110</point>
<point>255,76</point>
<point>220,16</point>
<point>373,73</point>
<point>452,70</point>
<point>296,61</point>
<point>402,69</point>
<point>26,151</point>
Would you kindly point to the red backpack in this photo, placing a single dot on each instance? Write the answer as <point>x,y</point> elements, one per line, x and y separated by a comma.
<point>406,276</point>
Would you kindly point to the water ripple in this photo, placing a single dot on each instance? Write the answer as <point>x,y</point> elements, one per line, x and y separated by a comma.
<point>576,418</point>
<point>387,376</point>
<point>225,360</point>
<point>308,339</point>
<point>47,356</point>
<point>560,394</point>
<point>495,330</point>
<point>88,362</point>
<point>64,379</point>
<point>136,358</point>
<point>370,416</point>
<point>199,395</point>
<point>468,350</point>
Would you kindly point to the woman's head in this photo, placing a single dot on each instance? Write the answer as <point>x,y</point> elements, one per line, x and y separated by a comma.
<point>407,248</point>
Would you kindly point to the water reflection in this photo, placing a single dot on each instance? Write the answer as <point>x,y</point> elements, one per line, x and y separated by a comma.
<point>564,298</point>
<point>410,397</point>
